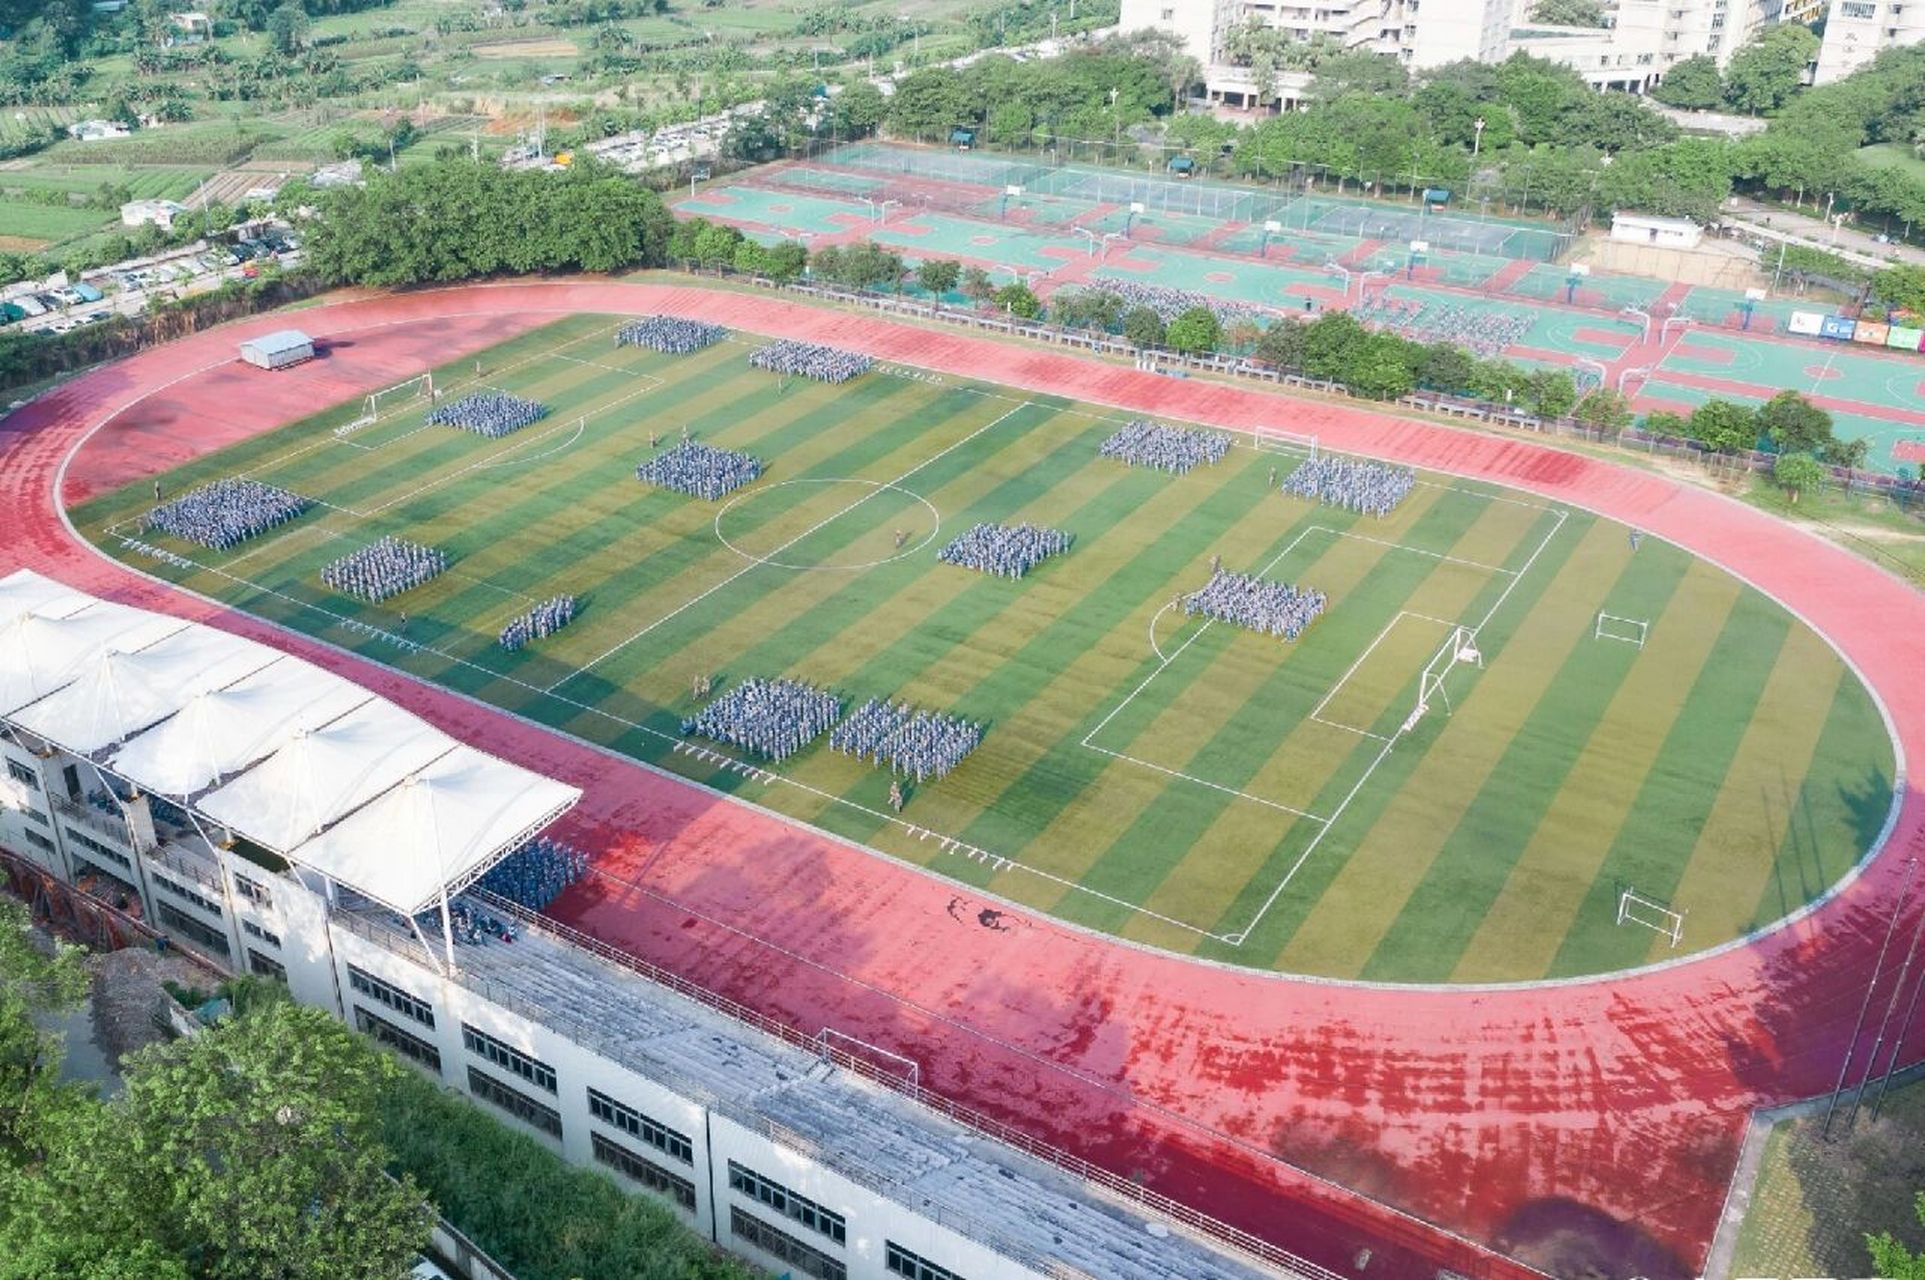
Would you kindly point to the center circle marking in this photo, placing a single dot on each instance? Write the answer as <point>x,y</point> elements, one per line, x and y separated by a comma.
<point>772,562</point>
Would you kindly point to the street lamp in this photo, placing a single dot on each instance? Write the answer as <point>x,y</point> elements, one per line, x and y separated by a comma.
<point>1477,137</point>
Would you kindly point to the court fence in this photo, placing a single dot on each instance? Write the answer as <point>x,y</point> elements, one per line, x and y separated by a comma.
<point>1907,495</point>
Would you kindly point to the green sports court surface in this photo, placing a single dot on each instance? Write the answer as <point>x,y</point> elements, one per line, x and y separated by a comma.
<point>1186,785</point>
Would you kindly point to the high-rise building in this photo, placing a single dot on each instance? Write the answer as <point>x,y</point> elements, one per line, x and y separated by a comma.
<point>1856,31</point>
<point>1644,39</point>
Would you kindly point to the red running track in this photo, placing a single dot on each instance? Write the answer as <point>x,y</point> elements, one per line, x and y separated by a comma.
<point>1592,1123</point>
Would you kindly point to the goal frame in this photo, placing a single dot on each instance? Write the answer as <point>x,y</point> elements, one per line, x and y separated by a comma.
<point>1660,919</point>
<point>1615,626</point>
<point>422,385</point>
<point>1460,648</point>
<point>1277,440</point>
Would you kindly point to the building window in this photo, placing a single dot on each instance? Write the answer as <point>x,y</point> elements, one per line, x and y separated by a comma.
<point>35,815</point>
<point>405,1043</point>
<point>653,1132</point>
<point>514,1102</point>
<point>266,966</point>
<point>253,890</point>
<point>390,995</point>
<point>643,1170</point>
<point>182,923</point>
<point>271,938</point>
<point>22,774</point>
<point>180,890</point>
<point>795,1207</point>
<point>502,1054</point>
<point>780,1244</point>
<point>900,1262</point>
<point>1862,12</point>
<point>39,842</point>
<point>114,856</point>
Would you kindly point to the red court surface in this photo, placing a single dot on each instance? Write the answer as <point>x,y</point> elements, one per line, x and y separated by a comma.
<point>1590,1123</point>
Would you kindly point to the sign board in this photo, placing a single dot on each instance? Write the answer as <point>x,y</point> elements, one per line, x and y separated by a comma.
<point>1012,190</point>
<point>1904,339</point>
<point>1871,333</point>
<point>1838,327</point>
<point>1272,225</point>
<point>1580,269</point>
<point>1754,295</point>
<point>1811,323</point>
<point>1136,206</point>
<point>1420,246</point>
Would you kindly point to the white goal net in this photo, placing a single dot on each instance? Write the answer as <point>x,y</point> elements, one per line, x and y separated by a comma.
<point>391,400</point>
<point>1276,440</point>
<point>1460,649</point>
<point>1635,908</point>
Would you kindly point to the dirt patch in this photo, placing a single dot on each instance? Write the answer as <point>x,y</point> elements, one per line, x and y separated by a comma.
<point>128,996</point>
<point>527,49</point>
<point>22,244</point>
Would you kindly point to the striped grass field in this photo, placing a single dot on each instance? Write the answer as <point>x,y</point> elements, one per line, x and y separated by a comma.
<point>1190,787</point>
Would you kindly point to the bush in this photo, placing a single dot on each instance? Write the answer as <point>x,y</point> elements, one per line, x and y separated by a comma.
<point>539,1216</point>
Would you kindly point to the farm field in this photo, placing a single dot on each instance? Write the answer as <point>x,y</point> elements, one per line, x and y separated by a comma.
<point>28,221</point>
<point>1181,783</point>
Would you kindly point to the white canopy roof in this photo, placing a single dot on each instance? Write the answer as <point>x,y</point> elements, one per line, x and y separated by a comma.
<point>117,693</point>
<point>221,731</point>
<point>436,813</point>
<point>299,760</point>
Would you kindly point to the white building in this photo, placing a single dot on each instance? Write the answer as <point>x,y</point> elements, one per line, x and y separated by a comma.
<point>278,350</point>
<point>287,822</point>
<point>1647,36</point>
<point>160,213</point>
<point>98,130</point>
<point>1649,229</point>
<point>1856,31</point>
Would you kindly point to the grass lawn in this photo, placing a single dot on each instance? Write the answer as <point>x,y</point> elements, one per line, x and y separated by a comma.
<point>1893,155</point>
<point>49,222</point>
<point>1816,1200</point>
<point>1185,784</point>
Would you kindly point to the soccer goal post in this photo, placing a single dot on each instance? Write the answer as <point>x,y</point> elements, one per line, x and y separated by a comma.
<point>390,400</point>
<point>1460,649</point>
<point>1635,908</point>
<point>1612,626</point>
<point>1277,440</point>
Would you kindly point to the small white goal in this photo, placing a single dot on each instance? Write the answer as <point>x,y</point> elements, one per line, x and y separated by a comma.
<point>1635,908</point>
<point>1276,440</point>
<point>390,400</point>
<point>1612,626</point>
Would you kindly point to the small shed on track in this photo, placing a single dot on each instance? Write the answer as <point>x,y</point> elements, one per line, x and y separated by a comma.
<point>278,350</point>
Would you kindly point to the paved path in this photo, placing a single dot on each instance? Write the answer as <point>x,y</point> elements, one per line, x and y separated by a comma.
<point>1593,1122</point>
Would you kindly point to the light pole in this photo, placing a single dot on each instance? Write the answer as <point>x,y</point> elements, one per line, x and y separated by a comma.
<point>1477,137</point>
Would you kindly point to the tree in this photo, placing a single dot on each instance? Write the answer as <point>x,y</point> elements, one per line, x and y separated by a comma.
<point>858,110</point>
<point>1767,70</point>
<point>33,983</point>
<point>1722,427</point>
<point>784,261</point>
<point>931,101</point>
<point>1902,288</point>
<point>1893,1260</point>
<point>250,1149</point>
<point>1018,300</point>
<point>1378,372</point>
<point>1569,13</point>
<point>1551,393</point>
<point>1281,346</point>
<point>1604,408</point>
<point>1797,472</point>
<point>1794,424</point>
<point>975,285</point>
<point>1143,327</point>
<point>1693,85</point>
<point>1195,331</point>
<point>287,28</point>
<point>750,258</point>
<point>939,275</point>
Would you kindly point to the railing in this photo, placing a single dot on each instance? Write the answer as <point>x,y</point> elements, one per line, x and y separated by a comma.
<point>111,826</point>
<point>192,865</point>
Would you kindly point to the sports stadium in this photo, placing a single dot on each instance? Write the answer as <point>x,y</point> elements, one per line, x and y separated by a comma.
<point>1268,835</point>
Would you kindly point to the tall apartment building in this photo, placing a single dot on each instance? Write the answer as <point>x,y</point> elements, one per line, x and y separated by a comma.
<point>1856,31</point>
<point>1647,36</point>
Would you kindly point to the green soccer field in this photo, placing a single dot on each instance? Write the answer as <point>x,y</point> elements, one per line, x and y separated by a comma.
<point>1190,786</point>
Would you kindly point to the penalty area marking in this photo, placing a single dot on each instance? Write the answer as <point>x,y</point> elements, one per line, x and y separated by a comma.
<point>770,560</point>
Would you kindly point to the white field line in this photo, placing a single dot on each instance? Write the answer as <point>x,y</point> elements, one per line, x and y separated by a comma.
<point>827,520</point>
<point>1316,712</point>
<point>1238,938</point>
